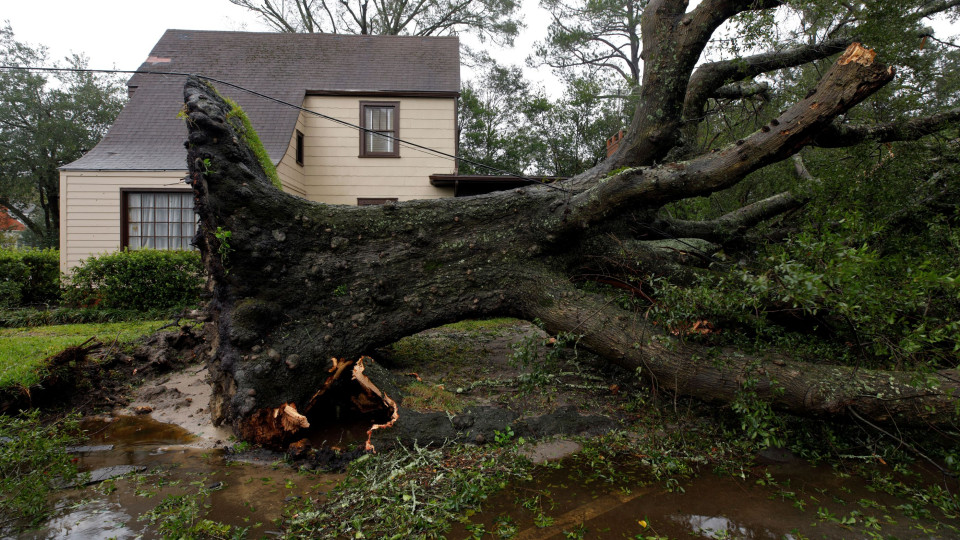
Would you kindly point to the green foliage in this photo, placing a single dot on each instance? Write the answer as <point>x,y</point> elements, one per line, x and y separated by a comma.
<point>245,129</point>
<point>507,125</point>
<point>598,35</point>
<point>33,463</point>
<point>223,246</point>
<point>46,123</point>
<point>29,317</point>
<point>539,357</point>
<point>23,350</point>
<point>143,280</point>
<point>757,419</point>
<point>179,517</point>
<point>405,493</point>
<point>29,277</point>
<point>896,309</point>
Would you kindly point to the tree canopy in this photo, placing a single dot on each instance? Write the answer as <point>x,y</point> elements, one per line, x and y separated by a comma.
<point>46,121</point>
<point>487,19</point>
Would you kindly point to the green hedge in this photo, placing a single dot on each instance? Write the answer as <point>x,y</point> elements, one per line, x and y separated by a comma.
<point>32,317</point>
<point>143,280</point>
<point>29,277</point>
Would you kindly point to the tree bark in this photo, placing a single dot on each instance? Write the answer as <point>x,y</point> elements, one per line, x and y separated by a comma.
<point>301,290</point>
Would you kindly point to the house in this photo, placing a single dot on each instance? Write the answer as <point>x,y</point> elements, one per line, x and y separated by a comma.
<point>11,228</point>
<point>128,191</point>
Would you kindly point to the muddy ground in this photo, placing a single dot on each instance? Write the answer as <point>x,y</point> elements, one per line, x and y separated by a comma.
<point>618,460</point>
<point>470,382</point>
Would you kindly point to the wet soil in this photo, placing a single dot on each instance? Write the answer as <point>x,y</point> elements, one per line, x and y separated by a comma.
<point>245,494</point>
<point>467,383</point>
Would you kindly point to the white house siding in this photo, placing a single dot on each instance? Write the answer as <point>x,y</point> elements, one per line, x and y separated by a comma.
<point>334,172</point>
<point>90,209</point>
<point>289,171</point>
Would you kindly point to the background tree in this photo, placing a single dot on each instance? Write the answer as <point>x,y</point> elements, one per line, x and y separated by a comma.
<point>572,131</point>
<point>45,122</point>
<point>593,36</point>
<point>487,19</point>
<point>495,111</point>
<point>509,125</point>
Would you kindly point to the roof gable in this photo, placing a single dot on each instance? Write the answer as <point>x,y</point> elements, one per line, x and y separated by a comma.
<point>10,223</point>
<point>147,134</point>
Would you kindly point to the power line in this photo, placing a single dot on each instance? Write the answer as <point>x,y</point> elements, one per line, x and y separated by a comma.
<point>261,95</point>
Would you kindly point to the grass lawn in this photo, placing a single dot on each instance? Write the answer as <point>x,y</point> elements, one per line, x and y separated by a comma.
<point>22,350</point>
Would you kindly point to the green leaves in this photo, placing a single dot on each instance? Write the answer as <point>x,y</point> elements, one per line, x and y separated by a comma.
<point>29,277</point>
<point>33,462</point>
<point>510,126</point>
<point>45,122</point>
<point>144,279</point>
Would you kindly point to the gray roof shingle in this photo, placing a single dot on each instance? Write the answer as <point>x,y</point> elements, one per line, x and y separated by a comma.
<point>147,134</point>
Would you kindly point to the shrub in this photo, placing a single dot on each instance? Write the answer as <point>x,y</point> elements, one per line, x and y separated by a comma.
<point>141,280</point>
<point>31,317</point>
<point>29,277</point>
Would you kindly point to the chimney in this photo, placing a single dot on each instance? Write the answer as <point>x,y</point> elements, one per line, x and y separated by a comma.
<point>614,142</point>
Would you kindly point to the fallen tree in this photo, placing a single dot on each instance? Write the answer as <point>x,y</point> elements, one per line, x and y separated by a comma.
<point>301,290</point>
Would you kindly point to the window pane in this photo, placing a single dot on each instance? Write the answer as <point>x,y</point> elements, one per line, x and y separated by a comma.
<point>379,143</point>
<point>161,221</point>
<point>379,118</point>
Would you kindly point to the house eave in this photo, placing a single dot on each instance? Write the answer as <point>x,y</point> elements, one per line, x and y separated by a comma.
<point>385,93</point>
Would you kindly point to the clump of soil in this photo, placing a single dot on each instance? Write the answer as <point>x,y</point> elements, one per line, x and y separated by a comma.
<point>484,382</point>
<point>475,382</point>
<point>93,378</point>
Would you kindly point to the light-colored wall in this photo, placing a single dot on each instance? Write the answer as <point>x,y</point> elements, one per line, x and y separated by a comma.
<point>90,209</point>
<point>334,173</point>
<point>291,173</point>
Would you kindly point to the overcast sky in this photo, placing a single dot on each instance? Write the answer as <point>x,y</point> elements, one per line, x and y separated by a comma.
<point>118,34</point>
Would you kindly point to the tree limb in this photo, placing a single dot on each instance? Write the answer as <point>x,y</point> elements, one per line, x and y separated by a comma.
<point>735,223</point>
<point>710,77</point>
<point>742,90</point>
<point>851,79</point>
<point>838,136</point>
<point>627,339</point>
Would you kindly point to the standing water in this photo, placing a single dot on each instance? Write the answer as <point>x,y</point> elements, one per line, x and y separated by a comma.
<point>162,464</point>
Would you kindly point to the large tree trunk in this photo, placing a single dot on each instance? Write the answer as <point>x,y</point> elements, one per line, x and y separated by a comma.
<point>301,290</point>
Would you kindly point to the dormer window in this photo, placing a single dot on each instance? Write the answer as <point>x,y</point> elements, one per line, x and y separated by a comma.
<point>299,148</point>
<point>381,123</point>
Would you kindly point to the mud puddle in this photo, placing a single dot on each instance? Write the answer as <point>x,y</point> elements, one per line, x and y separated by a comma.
<point>246,495</point>
<point>795,501</point>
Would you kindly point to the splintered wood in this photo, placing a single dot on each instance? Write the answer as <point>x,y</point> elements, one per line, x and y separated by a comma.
<point>857,53</point>
<point>387,400</point>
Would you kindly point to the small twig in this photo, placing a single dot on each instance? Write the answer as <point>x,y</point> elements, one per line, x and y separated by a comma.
<point>905,444</point>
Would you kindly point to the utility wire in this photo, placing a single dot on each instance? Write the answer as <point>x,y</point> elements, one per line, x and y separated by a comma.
<point>341,122</point>
<point>261,95</point>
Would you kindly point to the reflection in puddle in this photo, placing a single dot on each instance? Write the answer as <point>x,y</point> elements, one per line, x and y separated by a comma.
<point>805,502</point>
<point>240,494</point>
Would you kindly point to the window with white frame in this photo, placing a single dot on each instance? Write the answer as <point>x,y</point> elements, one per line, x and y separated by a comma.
<point>157,219</point>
